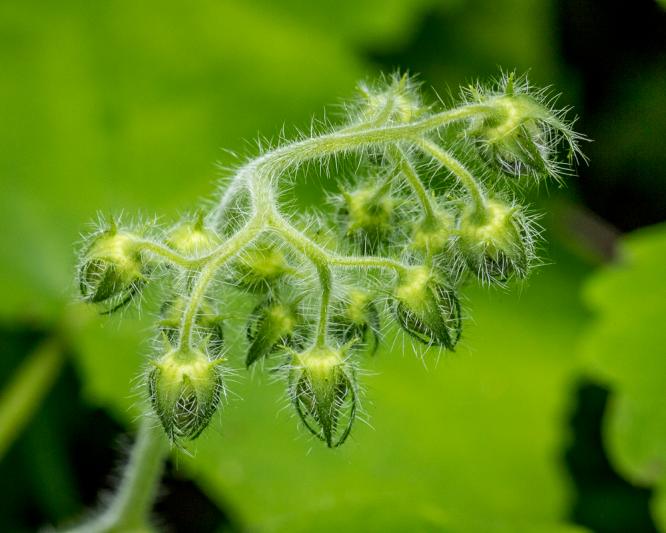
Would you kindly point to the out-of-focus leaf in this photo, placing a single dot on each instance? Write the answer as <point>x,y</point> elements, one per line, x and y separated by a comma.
<point>625,348</point>
<point>126,105</point>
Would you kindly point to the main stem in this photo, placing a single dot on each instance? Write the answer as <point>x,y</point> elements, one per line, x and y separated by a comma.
<point>129,508</point>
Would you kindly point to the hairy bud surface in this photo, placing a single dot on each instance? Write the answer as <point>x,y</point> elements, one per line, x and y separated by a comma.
<point>322,387</point>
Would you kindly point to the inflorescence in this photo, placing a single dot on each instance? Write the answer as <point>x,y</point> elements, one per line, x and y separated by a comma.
<point>434,199</point>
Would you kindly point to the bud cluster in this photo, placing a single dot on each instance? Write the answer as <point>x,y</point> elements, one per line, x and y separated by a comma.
<point>414,223</point>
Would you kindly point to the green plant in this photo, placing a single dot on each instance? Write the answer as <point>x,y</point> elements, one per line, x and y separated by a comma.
<point>390,245</point>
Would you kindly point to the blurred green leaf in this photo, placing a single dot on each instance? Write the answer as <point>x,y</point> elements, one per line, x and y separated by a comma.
<point>124,105</point>
<point>625,349</point>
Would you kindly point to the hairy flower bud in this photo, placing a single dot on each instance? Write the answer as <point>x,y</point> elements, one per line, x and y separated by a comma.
<point>520,132</point>
<point>357,320</point>
<point>322,387</point>
<point>185,388</point>
<point>496,243</point>
<point>193,237</point>
<point>397,102</point>
<point>367,216</point>
<point>209,324</point>
<point>432,235</point>
<point>427,308</point>
<point>112,270</point>
<point>259,268</point>
<point>274,324</point>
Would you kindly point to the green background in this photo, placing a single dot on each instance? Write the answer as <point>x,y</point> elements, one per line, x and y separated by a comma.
<point>129,107</point>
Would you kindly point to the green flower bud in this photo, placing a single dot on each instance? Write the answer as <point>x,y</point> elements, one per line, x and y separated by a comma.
<point>520,132</point>
<point>322,387</point>
<point>496,243</point>
<point>427,308</point>
<point>208,324</point>
<point>274,324</point>
<point>367,217</point>
<point>185,388</point>
<point>432,235</point>
<point>193,238</point>
<point>357,320</point>
<point>112,270</point>
<point>398,103</point>
<point>260,268</point>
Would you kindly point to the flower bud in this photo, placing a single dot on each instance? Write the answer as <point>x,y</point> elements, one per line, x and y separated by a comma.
<point>496,243</point>
<point>357,321</point>
<point>112,271</point>
<point>399,102</point>
<point>432,235</point>
<point>208,324</point>
<point>185,388</point>
<point>427,308</point>
<point>193,238</point>
<point>274,324</point>
<point>322,387</point>
<point>367,217</point>
<point>520,132</point>
<point>260,268</point>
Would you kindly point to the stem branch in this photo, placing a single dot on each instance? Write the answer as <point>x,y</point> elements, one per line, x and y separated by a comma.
<point>408,170</point>
<point>457,169</point>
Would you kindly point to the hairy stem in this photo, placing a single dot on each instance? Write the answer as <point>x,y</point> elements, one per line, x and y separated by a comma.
<point>408,170</point>
<point>129,508</point>
<point>223,254</point>
<point>457,169</point>
<point>325,281</point>
<point>167,254</point>
<point>259,174</point>
<point>319,255</point>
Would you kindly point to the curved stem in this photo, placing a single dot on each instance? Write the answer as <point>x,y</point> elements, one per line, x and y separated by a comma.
<point>408,170</point>
<point>457,169</point>
<point>167,254</point>
<point>258,174</point>
<point>129,508</point>
<point>319,255</point>
<point>225,252</point>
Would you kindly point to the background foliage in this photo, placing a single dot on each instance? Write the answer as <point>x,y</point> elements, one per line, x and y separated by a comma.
<point>118,106</point>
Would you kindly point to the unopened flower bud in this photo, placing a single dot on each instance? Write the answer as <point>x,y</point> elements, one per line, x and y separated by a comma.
<point>357,320</point>
<point>367,216</point>
<point>322,387</point>
<point>274,324</point>
<point>193,238</point>
<point>496,243</point>
<point>112,270</point>
<point>399,102</point>
<point>520,132</point>
<point>260,268</point>
<point>185,388</point>
<point>427,308</point>
<point>432,235</point>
